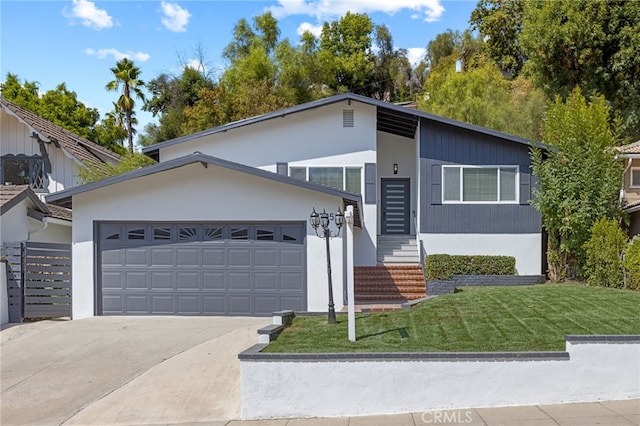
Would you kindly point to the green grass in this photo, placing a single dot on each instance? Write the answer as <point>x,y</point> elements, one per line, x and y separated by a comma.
<point>531,318</point>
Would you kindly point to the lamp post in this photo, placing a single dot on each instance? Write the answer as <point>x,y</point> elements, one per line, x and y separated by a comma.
<point>320,223</point>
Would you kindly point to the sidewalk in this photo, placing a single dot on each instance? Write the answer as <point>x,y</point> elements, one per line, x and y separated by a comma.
<point>608,413</point>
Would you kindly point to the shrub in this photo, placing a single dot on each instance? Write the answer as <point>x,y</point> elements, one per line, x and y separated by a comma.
<point>604,249</point>
<point>632,264</point>
<point>444,266</point>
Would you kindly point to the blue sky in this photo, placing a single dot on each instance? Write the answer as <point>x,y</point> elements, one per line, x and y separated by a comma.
<point>77,41</point>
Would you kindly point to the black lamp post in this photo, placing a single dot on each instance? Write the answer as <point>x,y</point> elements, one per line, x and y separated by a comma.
<point>323,220</point>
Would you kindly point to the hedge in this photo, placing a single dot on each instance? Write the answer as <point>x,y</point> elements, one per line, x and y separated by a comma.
<point>444,266</point>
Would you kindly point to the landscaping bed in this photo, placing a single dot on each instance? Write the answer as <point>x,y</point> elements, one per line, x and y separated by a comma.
<point>485,319</point>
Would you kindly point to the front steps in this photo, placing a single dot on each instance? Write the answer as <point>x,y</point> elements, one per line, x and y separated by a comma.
<point>397,250</point>
<point>388,284</point>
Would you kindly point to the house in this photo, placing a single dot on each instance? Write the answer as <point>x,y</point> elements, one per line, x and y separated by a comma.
<point>220,225</point>
<point>630,154</point>
<point>38,158</point>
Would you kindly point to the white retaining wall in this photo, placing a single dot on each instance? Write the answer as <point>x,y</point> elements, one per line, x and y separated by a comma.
<point>281,387</point>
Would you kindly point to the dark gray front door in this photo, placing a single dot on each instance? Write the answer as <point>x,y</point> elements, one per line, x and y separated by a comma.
<point>395,206</point>
<point>200,268</point>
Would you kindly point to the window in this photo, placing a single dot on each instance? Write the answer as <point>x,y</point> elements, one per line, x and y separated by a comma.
<point>161,233</point>
<point>635,177</point>
<point>23,170</point>
<point>343,178</point>
<point>479,184</point>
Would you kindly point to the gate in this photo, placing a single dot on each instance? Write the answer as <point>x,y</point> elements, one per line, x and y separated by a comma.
<point>39,280</point>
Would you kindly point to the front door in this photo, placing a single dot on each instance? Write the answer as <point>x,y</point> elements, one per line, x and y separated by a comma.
<point>395,206</point>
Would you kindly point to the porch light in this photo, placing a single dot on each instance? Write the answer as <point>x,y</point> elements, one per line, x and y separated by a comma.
<point>321,224</point>
<point>395,168</point>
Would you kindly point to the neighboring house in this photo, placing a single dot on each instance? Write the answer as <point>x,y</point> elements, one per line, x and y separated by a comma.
<point>220,225</point>
<point>631,187</point>
<point>38,158</point>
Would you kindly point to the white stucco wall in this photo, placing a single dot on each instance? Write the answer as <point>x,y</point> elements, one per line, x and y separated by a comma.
<point>595,371</point>
<point>195,193</point>
<point>14,224</point>
<point>16,139</point>
<point>526,248</point>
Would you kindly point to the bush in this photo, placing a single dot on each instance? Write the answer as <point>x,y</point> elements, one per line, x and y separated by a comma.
<point>444,266</point>
<point>632,264</point>
<point>604,250</point>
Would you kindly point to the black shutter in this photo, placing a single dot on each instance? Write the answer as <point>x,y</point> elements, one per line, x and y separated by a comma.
<point>436,184</point>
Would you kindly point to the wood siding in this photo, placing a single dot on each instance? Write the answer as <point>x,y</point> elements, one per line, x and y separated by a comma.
<point>15,139</point>
<point>441,144</point>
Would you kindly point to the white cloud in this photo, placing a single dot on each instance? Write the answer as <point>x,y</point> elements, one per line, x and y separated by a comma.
<point>195,64</point>
<point>117,55</point>
<point>90,16</point>
<point>416,54</point>
<point>175,18</point>
<point>313,29</point>
<point>431,10</point>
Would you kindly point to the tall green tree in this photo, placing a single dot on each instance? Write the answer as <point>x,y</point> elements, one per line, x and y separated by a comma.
<point>345,53</point>
<point>127,76</point>
<point>579,179</point>
<point>499,23</point>
<point>593,44</point>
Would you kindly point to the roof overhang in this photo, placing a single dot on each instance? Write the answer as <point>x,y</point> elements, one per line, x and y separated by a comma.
<point>64,198</point>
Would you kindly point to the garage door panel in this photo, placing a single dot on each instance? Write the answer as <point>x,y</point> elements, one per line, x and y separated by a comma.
<point>161,256</point>
<point>292,281</point>
<point>292,303</point>
<point>213,257</point>
<point>135,257</point>
<point>135,280</point>
<point>163,304</point>
<point>240,304</point>
<point>239,280</point>
<point>137,304</point>
<point>239,257</point>
<point>188,280</point>
<point>266,304</point>
<point>214,305</point>
<point>266,281</point>
<point>162,280</point>
<point>187,256</point>
<point>201,268</point>
<point>189,305</point>
<point>291,257</point>
<point>213,280</point>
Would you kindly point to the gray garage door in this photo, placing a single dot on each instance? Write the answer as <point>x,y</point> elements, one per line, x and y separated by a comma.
<point>200,268</point>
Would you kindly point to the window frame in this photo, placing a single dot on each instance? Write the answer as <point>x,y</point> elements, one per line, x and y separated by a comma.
<point>633,184</point>
<point>344,174</point>
<point>461,167</point>
<point>31,160</point>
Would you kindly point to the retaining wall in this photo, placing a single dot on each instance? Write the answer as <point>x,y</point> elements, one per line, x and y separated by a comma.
<point>350,384</point>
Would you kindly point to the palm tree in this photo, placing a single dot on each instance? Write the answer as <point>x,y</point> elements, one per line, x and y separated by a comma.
<point>127,75</point>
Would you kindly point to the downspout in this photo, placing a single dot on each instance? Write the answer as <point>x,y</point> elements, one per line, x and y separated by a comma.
<point>42,227</point>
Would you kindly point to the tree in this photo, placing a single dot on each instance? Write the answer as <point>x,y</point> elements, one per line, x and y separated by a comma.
<point>345,53</point>
<point>593,44</point>
<point>579,179</point>
<point>127,75</point>
<point>128,162</point>
<point>499,23</point>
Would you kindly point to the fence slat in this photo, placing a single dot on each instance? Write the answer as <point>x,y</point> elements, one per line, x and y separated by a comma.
<point>48,291</point>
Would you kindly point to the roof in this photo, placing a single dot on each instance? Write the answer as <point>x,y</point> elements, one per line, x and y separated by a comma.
<point>11,195</point>
<point>58,212</point>
<point>630,149</point>
<point>63,198</point>
<point>389,108</point>
<point>83,150</point>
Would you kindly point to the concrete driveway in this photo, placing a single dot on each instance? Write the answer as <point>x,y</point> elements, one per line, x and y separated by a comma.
<point>123,370</point>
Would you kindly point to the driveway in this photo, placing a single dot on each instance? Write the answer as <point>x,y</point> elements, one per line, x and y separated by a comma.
<point>124,370</point>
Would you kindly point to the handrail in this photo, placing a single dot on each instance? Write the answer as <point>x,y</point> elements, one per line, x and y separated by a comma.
<point>419,240</point>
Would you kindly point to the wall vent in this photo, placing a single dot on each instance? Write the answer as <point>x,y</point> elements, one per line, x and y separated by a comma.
<point>347,118</point>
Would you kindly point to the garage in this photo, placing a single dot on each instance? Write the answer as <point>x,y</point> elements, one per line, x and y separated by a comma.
<point>200,268</point>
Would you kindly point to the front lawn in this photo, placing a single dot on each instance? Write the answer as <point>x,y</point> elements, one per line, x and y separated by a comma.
<point>479,319</point>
